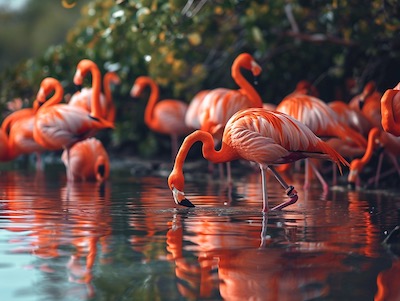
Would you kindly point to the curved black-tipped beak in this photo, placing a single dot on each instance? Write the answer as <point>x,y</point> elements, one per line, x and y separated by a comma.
<point>351,185</point>
<point>185,202</point>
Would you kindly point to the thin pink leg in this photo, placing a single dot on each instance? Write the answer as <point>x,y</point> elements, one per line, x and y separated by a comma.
<point>325,186</point>
<point>306,175</point>
<point>289,189</point>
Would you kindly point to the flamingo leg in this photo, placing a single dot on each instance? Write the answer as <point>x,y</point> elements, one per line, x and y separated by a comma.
<point>264,189</point>
<point>69,171</point>
<point>378,170</point>
<point>334,175</point>
<point>325,186</point>
<point>39,163</point>
<point>228,172</point>
<point>289,189</point>
<point>395,163</point>
<point>306,175</point>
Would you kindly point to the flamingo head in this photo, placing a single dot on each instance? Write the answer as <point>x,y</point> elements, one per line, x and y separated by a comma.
<point>176,183</point>
<point>101,169</point>
<point>355,168</point>
<point>114,78</point>
<point>245,60</point>
<point>136,90</point>
<point>140,83</point>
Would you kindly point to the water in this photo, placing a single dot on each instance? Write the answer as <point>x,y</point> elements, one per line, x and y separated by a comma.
<point>125,240</point>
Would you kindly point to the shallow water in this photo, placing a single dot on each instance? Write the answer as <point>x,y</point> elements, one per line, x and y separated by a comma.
<point>126,240</point>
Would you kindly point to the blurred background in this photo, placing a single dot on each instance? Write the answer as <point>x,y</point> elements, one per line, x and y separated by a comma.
<point>189,45</point>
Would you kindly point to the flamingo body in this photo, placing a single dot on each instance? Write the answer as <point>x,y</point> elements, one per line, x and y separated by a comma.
<point>61,126</point>
<point>319,117</point>
<point>192,118</point>
<point>88,160</point>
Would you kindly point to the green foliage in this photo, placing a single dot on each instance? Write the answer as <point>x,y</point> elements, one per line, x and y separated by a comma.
<point>186,48</point>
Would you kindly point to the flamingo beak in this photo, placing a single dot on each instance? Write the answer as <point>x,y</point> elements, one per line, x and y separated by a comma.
<point>180,199</point>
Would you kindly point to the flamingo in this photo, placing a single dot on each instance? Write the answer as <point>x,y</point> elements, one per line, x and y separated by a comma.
<point>19,127</point>
<point>322,120</point>
<point>88,161</point>
<point>390,110</point>
<point>166,116</point>
<point>60,126</point>
<point>376,139</point>
<point>358,164</point>
<point>83,98</point>
<point>220,104</point>
<point>257,135</point>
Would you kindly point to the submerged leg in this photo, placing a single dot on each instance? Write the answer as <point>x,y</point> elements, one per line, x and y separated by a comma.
<point>290,191</point>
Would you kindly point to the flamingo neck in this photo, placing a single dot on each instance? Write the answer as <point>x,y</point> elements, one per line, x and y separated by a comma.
<point>96,88</point>
<point>154,96</point>
<point>225,154</point>
<point>372,136</point>
<point>246,87</point>
<point>57,96</point>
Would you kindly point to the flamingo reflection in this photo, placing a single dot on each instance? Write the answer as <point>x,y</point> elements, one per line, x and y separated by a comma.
<point>233,260</point>
<point>50,222</point>
<point>89,219</point>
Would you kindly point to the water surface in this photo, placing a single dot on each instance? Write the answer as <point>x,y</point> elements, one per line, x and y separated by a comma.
<point>126,240</point>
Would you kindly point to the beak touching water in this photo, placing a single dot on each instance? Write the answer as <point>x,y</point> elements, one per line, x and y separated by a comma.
<point>180,199</point>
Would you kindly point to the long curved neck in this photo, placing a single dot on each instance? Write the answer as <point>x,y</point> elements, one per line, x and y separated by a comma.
<point>225,154</point>
<point>96,89</point>
<point>151,103</point>
<point>372,136</point>
<point>57,96</point>
<point>245,86</point>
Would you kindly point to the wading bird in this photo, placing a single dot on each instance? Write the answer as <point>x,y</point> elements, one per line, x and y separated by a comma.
<point>88,161</point>
<point>261,136</point>
<point>18,126</point>
<point>166,116</point>
<point>220,104</point>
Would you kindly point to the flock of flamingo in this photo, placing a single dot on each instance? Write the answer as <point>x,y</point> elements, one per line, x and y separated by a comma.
<point>301,126</point>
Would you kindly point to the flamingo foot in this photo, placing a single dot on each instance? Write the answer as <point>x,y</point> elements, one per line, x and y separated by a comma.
<point>292,194</point>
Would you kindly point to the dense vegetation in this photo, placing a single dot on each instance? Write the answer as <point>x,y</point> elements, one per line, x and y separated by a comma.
<point>187,46</point>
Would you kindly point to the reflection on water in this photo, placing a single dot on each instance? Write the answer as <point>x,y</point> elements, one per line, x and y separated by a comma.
<point>125,240</point>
